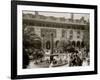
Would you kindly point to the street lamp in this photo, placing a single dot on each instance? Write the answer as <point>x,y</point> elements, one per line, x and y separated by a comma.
<point>52,46</point>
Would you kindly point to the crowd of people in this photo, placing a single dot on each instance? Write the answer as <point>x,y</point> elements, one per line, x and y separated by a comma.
<point>74,56</point>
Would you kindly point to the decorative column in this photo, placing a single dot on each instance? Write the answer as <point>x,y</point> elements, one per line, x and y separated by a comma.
<point>52,46</point>
<point>43,42</point>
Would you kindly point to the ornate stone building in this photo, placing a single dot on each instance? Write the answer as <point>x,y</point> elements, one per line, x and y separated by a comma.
<point>73,31</point>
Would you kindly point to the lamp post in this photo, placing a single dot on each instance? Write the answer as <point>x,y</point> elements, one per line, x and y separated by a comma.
<point>43,42</point>
<point>52,46</point>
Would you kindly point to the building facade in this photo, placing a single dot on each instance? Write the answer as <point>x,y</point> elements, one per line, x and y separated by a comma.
<point>71,31</point>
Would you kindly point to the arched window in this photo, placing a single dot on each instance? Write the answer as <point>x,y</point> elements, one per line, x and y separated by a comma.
<point>71,37</point>
<point>71,31</point>
<point>78,32</point>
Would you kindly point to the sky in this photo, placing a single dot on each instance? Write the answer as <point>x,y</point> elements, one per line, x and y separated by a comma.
<point>61,14</point>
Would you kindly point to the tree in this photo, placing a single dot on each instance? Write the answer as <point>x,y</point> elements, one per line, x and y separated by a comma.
<point>33,41</point>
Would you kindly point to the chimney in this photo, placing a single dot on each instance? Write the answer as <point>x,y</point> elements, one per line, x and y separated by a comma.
<point>82,19</point>
<point>72,16</point>
<point>36,13</point>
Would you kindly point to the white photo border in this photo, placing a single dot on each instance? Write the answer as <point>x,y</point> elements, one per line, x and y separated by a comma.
<point>21,71</point>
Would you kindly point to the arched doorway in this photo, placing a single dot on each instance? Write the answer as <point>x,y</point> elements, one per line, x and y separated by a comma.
<point>56,43</point>
<point>73,43</point>
<point>82,44</point>
<point>78,43</point>
<point>48,45</point>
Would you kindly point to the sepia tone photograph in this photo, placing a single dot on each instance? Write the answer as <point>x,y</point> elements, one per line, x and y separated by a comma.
<point>55,39</point>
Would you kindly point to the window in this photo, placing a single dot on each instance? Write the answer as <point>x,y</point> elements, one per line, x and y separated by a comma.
<point>63,33</point>
<point>78,32</point>
<point>71,32</point>
<point>71,37</point>
<point>78,36</point>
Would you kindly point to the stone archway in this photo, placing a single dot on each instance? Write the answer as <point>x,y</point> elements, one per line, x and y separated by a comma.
<point>56,43</point>
<point>78,43</point>
<point>73,43</point>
